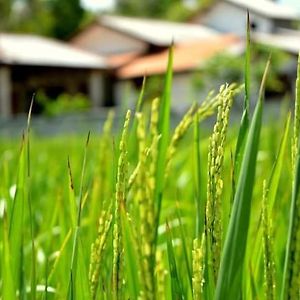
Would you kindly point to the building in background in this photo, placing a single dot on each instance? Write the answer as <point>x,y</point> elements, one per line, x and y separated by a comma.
<point>266,16</point>
<point>136,47</point>
<point>29,63</point>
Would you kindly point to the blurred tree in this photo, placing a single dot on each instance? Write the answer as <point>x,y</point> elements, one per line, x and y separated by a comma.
<point>68,15</point>
<point>57,18</point>
<point>225,67</point>
<point>168,9</point>
<point>5,12</point>
<point>32,16</point>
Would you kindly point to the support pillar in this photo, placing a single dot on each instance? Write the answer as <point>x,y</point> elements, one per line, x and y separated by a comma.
<point>96,89</point>
<point>5,92</point>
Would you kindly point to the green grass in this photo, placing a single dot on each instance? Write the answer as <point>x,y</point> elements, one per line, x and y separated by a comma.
<point>153,212</point>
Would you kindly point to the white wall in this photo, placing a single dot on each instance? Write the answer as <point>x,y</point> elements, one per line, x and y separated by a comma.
<point>5,92</point>
<point>226,17</point>
<point>183,93</point>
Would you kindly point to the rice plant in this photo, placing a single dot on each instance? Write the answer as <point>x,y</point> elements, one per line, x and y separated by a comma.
<point>156,212</point>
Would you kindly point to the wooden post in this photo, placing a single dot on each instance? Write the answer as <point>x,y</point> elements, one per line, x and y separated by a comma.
<point>5,92</point>
<point>96,89</point>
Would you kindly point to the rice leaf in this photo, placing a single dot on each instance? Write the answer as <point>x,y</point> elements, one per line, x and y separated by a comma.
<point>184,246</point>
<point>200,204</point>
<point>163,130</point>
<point>78,280</point>
<point>177,292</point>
<point>28,183</point>
<point>245,117</point>
<point>133,137</point>
<point>16,224</point>
<point>277,167</point>
<point>291,271</point>
<point>8,288</point>
<point>232,260</point>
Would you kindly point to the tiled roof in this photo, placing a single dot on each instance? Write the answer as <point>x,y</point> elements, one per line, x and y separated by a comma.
<point>187,56</point>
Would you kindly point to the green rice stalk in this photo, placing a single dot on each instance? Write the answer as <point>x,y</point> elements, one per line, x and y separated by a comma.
<point>269,264</point>
<point>163,130</point>
<point>133,176</point>
<point>215,182</point>
<point>8,288</point>
<point>154,145</point>
<point>212,101</point>
<point>105,147</point>
<point>198,267</point>
<point>160,272</point>
<point>16,221</point>
<point>243,130</point>
<point>97,251</point>
<point>59,257</point>
<point>132,255</point>
<point>120,200</point>
<point>183,236</point>
<point>230,274</point>
<point>296,117</point>
<point>291,275</point>
<point>146,213</point>
<point>179,133</point>
<point>200,205</point>
<point>176,286</point>
<point>78,277</point>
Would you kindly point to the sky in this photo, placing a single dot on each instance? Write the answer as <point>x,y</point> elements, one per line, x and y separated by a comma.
<point>98,4</point>
<point>295,3</point>
<point>109,4</point>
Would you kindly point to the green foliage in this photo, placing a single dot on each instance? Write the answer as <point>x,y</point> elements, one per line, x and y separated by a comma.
<point>57,18</point>
<point>64,103</point>
<point>68,16</point>
<point>166,9</point>
<point>230,68</point>
<point>5,11</point>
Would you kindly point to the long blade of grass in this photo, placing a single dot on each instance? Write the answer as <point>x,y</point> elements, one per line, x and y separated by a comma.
<point>200,204</point>
<point>289,256</point>
<point>232,260</point>
<point>33,252</point>
<point>277,167</point>
<point>272,187</point>
<point>245,117</point>
<point>184,247</point>
<point>177,292</point>
<point>133,136</point>
<point>163,129</point>
<point>131,254</point>
<point>78,281</point>
<point>8,288</point>
<point>16,224</point>
<point>290,285</point>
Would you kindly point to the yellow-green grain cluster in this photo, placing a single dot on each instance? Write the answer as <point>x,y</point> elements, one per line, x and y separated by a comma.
<point>97,251</point>
<point>120,200</point>
<point>146,213</point>
<point>179,133</point>
<point>198,255</point>
<point>160,272</point>
<point>215,181</point>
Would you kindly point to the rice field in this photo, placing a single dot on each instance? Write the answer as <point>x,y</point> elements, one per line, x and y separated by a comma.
<point>154,212</point>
